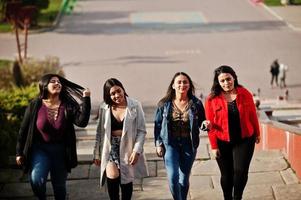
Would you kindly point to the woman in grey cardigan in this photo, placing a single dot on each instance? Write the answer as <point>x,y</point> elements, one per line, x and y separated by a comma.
<point>119,141</point>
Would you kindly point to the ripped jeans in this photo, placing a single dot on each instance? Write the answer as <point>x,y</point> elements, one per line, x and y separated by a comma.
<point>48,158</point>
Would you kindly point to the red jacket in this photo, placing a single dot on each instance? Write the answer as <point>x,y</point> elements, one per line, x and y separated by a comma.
<point>217,113</point>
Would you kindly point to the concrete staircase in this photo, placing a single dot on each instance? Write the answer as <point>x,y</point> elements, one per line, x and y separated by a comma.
<point>270,177</point>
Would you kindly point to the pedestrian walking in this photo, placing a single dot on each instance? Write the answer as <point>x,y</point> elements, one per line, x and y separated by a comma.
<point>233,130</point>
<point>177,121</point>
<point>282,74</point>
<point>119,142</point>
<point>274,70</point>
<point>46,140</point>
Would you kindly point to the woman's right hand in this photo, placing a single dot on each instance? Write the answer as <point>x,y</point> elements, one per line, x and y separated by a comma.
<point>160,151</point>
<point>19,160</point>
<point>216,153</point>
<point>206,125</point>
<point>97,162</point>
<point>86,92</point>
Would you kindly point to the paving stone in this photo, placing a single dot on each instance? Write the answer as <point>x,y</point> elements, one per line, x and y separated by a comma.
<point>285,192</point>
<point>204,139</point>
<point>150,150</point>
<point>206,194</point>
<point>85,158</point>
<point>80,172</point>
<point>258,192</point>
<point>10,175</point>
<point>264,164</point>
<point>138,184</point>
<point>161,171</point>
<point>289,176</point>
<point>86,189</point>
<point>21,190</point>
<point>264,178</point>
<point>208,167</point>
<point>85,147</point>
<point>94,172</point>
<point>154,189</point>
<point>149,112</point>
<point>202,153</point>
<point>150,131</point>
<point>152,168</point>
<point>200,183</point>
<point>273,153</point>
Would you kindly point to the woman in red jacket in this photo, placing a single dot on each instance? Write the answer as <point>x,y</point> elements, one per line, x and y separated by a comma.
<point>233,130</point>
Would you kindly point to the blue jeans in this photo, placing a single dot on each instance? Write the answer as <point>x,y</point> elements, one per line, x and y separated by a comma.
<point>178,159</point>
<point>48,158</point>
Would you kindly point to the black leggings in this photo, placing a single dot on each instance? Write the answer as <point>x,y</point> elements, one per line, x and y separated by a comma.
<point>113,189</point>
<point>234,163</point>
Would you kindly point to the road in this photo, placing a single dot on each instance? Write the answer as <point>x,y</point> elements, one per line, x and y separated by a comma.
<point>143,43</point>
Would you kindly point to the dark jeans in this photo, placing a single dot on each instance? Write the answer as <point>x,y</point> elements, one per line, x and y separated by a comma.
<point>178,160</point>
<point>274,77</point>
<point>48,158</point>
<point>234,163</point>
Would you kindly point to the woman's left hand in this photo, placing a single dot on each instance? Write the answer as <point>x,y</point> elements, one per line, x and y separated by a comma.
<point>134,158</point>
<point>86,92</point>
<point>257,139</point>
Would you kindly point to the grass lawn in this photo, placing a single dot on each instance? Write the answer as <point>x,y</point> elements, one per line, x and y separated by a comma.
<point>5,63</point>
<point>48,15</point>
<point>45,19</point>
<point>5,27</point>
<point>277,2</point>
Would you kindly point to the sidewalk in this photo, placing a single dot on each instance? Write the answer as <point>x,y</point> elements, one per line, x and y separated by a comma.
<point>291,14</point>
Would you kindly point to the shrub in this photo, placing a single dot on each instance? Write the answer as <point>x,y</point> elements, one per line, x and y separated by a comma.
<point>6,80</point>
<point>12,107</point>
<point>34,69</point>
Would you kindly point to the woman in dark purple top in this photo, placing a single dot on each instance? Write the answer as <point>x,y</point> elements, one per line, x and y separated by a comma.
<point>46,141</point>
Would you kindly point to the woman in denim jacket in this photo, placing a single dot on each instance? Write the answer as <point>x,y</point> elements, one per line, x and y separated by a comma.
<point>178,118</point>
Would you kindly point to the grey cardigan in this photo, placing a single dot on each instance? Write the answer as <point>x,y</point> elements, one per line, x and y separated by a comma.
<point>132,139</point>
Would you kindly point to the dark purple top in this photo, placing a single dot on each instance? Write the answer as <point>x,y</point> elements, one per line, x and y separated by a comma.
<point>51,130</point>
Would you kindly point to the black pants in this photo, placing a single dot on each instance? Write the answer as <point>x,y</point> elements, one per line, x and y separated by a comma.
<point>234,163</point>
<point>113,189</point>
<point>274,77</point>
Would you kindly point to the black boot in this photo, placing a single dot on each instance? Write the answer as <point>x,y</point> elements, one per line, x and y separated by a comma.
<point>126,191</point>
<point>113,188</point>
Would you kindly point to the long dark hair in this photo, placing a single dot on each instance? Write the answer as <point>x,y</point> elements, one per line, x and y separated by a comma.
<point>107,87</point>
<point>71,93</point>
<point>216,88</point>
<point>170,94</point>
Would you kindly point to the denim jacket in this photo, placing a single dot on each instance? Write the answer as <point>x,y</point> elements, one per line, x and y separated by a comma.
<point>162,122</point>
